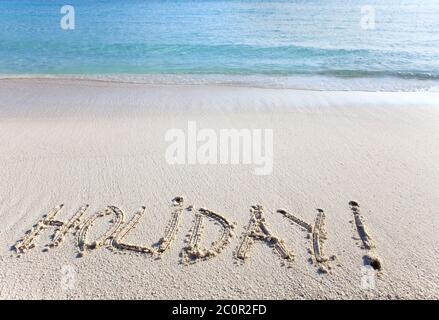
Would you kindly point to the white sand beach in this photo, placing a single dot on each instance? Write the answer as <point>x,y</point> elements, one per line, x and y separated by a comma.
<point>102,143</point>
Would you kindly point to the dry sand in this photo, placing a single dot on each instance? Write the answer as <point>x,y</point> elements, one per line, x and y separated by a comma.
<point>84,142</point>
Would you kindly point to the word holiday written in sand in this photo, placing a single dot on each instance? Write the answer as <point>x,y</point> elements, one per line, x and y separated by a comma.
<point>114,238</point>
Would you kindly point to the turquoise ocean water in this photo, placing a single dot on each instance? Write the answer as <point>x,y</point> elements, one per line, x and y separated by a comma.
<point>307,41</point>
